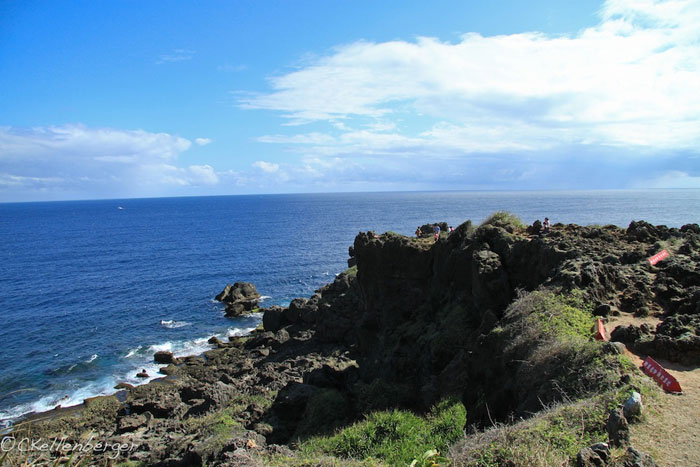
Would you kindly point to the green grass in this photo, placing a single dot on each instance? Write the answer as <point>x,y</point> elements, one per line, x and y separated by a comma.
<point>504,219</point>
<point>552,437</point>
<point>560,316</point>
<point>544,315</point>
<point>552,334</point>
<point>215,423</point>
<point>396,437</point>
<point>352,271</point>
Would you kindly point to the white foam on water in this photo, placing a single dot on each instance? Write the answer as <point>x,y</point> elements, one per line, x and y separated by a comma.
<point>70,398</point>
<point>172,324</point>
<point>193,347</point>
<point>238,332</point>
<point>141,358</point>
<point>164,347</point>
<point>133,352</point>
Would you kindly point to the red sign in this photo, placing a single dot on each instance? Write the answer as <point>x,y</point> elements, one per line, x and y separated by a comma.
<point>663,254</point>
<point>600,334</point>
<point>656,371</point>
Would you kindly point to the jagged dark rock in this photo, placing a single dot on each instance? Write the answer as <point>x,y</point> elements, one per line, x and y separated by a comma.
<point>164,357</point>
<point>132,422</point>
<point>535,228</point>
<point>618,429</point>
<point>635,458</point>
<point>597,455</point>
<point>124,385</point>
<point>417,321</point>
<point>240,298</point>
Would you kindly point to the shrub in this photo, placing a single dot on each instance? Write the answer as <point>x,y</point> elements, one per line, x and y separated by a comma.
<point>397,437</point>
<point>543,315</point>
<point>552,437</point>
<point>351,271</point>
<point>504,219</point>
<point>550,337</point>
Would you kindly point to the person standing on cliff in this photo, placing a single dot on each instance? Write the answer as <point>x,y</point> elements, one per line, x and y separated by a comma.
<point>437,232</point>
<point>545,225</point>
<point>418,232</point>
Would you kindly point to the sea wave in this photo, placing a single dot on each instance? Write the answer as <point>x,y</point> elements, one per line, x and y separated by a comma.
<point>172,324</point>
<point>134,361</point>
<point>70,367</point>
<point>133,352</point>
<point>237,332</point>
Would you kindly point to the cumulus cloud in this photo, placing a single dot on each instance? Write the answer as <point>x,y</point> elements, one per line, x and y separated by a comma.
<point>202,141</point>
<point>92,162</point>
<point>202,175</point>
<point>631,83</point>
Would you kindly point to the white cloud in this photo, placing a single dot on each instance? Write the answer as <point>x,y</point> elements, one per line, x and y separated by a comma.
<point>91,162</point>
<point>675,179</point>
<point>202,141</point>
<point>78,142</point>
<point>177,55</point>
<point>8,180</point>
<point>202,175</point>
<point>632,81</point>
<point>266,166</point>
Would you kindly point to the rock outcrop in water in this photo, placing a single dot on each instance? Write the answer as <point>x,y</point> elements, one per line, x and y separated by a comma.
<point>240,298</point>
<point>475,314</point>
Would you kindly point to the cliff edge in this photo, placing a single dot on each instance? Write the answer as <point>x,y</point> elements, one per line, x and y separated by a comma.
<point>495,320</point>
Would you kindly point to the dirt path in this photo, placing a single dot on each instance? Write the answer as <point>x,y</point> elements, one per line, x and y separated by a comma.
<point>671,430</point>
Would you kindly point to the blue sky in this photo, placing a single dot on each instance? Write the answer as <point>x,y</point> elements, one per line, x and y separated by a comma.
<point>112,99</point>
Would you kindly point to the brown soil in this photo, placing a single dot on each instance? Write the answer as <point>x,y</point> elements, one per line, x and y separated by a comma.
<point>671,429</point>
<point>625,319</point>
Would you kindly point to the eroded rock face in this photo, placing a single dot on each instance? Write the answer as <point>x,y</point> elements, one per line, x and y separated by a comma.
<point>597,455</point>
<point>164,357</point>
<point>417,322</point>
<point>240,298</point>
<point>618,429</point>
<point>636,458</point>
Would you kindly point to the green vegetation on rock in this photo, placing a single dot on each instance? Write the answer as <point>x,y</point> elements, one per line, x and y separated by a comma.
<point>396,437</point>
<point>555,315</point>
<point>383,366</point>
<point>504,219</point>
<point>552,437</point>
<point>351,271</point>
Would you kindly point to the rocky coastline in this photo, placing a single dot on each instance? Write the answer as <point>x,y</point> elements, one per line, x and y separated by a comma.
<point>496,317</point>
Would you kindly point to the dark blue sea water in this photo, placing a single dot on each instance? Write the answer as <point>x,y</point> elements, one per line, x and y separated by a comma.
<point>89,290</point>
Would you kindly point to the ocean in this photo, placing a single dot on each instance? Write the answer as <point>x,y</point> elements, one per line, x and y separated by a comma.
<point>89,290</point>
